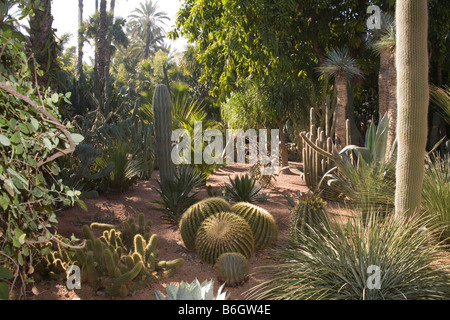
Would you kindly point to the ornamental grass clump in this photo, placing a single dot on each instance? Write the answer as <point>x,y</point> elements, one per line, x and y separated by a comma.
<point>390,258</point>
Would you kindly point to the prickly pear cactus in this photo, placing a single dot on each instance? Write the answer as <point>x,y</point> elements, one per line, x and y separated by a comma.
<point>262,223</point>
<point>162,115</point>
<point>193,217</point>
<point>232,269</point>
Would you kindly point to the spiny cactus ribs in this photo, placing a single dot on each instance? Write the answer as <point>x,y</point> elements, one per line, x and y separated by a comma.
<point>232,269</point>
<point>221,233</point>
<point>262,223</point>
<point>192,219</point>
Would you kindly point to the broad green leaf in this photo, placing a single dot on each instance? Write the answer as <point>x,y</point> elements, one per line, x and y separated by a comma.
<point>77,138</point>
<point>5,274</point>
<point>4,291</point>
<point>4,140</point>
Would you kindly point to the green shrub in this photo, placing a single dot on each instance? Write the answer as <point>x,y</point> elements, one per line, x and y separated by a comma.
<point>31,138</point>
<point>340,264</point>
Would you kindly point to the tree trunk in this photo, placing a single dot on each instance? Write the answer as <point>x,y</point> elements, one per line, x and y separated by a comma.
<point>383,83</point>
<point>102,42</point>
<point>284,150</point>
<point>80,41</point>
<point>43,44</point>
<point>341,108</point>
<point>392,105</point>
<point>413,97</point>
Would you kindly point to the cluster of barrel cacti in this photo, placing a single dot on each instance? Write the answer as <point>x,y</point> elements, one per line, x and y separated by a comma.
<point>227,236</point>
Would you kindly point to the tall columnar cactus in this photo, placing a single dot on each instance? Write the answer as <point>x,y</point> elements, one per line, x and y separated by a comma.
<point>192,218</point>
<point>162,115</point>
<point>221,233</point>
<point>262,223</point>
<point>412,97</point>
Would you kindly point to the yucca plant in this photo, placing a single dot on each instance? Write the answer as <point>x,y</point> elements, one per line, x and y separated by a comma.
<point>192,291</point>
<point>243,189</point>
<point>436,190</point>
<point>392,258</point>
<point>177,196</point>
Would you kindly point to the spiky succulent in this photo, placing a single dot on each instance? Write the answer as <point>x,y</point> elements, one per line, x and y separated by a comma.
<point>193,217</point>
<point>192,291</point>
<point>232,269</point>
<point>223,232</point>
<point>262,223</point>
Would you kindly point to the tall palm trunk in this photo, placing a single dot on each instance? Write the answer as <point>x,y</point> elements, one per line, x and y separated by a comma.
<point>101,40</point>
<point>341,108</point>
<point>43,44</point>
<point>80,41</point>
<point>383,83</point>
<point>412,97</point>
<point>392,103</point>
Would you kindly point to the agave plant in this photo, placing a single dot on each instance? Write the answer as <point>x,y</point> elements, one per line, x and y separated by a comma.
<point>192,291</point>
<point>368,180</point>
<point>244,189</point>
<point>391,258</point>
<point>177,196</point>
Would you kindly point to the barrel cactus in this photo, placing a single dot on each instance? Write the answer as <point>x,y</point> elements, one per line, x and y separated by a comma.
<point>221,233</point>
<point>193,217</point>
<point>162,114</point>
<point>308,211</point>
<point>232,269</point>
<point>262,223</point>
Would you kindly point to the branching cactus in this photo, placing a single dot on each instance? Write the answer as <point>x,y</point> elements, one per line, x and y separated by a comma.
<point>162,114</point>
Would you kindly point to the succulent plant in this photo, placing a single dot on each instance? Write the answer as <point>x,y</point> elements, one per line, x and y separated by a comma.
<point>192,291</point>
<point>232,268</point>
<point>262,223</point>
<point>193,217</point>
<point>244,188</point>
<point>223,232</point>
<point>162,113</point>
<point>309,209</point>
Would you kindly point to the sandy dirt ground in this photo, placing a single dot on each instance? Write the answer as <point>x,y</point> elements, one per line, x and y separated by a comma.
<point>114,208</point>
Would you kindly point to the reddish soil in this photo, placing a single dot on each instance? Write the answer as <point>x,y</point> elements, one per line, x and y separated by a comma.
<point>115,208</point>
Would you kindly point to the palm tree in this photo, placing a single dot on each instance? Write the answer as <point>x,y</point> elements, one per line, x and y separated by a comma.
<point>80,40</point>
<point>385,47</point>
<point>43,44</point>
<point>340,65</point>
<point>145,26</point>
